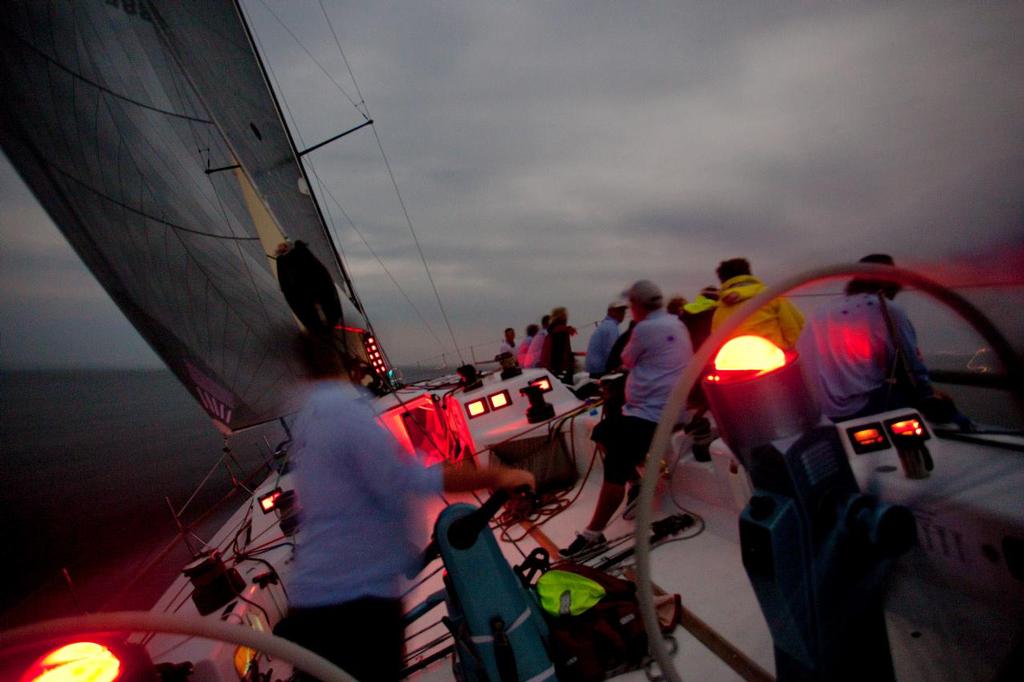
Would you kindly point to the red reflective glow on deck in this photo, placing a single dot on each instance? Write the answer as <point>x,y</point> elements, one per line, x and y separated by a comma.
<point>749,353</point>
<point>78,662</point>
<point>908,427</point>
<point>869,437</point>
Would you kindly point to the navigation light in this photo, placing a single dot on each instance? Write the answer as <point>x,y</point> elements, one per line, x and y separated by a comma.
<point>757,393</point>
<point>77,662</point>
<point>749,354</point>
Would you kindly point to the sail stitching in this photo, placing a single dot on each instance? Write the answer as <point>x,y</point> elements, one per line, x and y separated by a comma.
<point>75,74</point>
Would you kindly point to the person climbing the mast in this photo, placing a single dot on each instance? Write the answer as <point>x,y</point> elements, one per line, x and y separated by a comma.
<point>307,287</point>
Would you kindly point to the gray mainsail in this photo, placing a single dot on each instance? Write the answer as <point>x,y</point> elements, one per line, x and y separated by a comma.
<point>115,112</point>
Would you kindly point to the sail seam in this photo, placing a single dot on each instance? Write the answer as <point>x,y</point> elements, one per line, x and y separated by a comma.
<point>102,88</point>
<point>143,214</point>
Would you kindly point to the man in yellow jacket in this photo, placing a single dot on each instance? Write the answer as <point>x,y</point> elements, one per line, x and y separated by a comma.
<point>780,321</point>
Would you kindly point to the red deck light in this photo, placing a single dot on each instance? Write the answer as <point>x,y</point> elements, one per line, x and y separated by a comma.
<point>268,502</point>
<point>78,662</point>
<point>749,353</point>
<point>475,408</point>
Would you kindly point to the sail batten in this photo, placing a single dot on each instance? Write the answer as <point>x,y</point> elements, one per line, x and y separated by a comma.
<point>113,112</point>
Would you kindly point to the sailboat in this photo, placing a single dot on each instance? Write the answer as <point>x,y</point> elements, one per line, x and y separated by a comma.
<point>157,145</point>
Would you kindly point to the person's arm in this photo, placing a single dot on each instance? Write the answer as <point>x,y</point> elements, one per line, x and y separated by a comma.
<point>791,321</point>
<point>634,347</point>
<point>908,341</point>
<point>464,479</point>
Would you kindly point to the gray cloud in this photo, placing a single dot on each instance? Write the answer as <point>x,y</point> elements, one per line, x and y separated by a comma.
<point>551,153</point>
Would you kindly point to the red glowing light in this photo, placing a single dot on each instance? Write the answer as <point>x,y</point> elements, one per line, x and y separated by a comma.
<point>78,662</point>
<point>907,427</point>
<point>476,408</point>
<point>499,400</point>
<point>869,437</point>
<point>269,501</point>
<point>355,330</point>
<point>750,353</point>
<point>713,378</point>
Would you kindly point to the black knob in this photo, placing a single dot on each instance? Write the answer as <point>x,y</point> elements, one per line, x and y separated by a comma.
<point>761,507</point>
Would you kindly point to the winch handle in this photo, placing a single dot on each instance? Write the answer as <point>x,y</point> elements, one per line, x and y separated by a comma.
<point>463,532</point>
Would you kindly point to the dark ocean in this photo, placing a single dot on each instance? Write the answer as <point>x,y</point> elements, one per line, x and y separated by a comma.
<point>88,460</point>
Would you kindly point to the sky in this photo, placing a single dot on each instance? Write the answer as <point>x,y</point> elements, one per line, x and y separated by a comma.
<point>552,153</point>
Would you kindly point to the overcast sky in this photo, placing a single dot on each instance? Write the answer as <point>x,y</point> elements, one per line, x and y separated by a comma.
<point>551,153</point>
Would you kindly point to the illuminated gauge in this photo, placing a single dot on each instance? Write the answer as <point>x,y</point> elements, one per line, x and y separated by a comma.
<point>867,438</point>
<point>476,408</point>
<point>499,400</point>
<point>907,427</point>
<point>544,384</point>
<point>268,502</point>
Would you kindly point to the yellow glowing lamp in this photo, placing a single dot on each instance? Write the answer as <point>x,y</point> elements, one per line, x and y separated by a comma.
<point>78,662</point>
<point>751,354</point>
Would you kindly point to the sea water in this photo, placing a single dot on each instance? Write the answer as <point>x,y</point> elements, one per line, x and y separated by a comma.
<point>92,463</point>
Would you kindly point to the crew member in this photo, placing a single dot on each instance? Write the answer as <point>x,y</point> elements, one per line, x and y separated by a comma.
<point>861,350</point>
<point>361,499</point>
<point>780,321</point>
<point>523,352</point>
<point>537,345</point>
<point>604,338</point>
<point>655,357</point>
<point>508,344</point>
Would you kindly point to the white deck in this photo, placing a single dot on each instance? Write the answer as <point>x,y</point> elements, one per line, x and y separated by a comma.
<point>951,613</point>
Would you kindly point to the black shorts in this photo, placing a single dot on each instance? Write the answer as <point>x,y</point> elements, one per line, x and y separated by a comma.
<point>365,637</point>
<point>626,441</point>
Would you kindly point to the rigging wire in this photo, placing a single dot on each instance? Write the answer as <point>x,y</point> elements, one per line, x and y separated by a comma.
<point>334,34</point>
<point>419,248</point>
<point>319,65</point>
<point>384,267</point>
<point>321,184</point>
<point>365,111</point>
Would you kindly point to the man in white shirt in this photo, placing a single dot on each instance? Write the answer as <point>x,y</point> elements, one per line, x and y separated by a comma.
<point>508,344</point>
<point>655,357</point>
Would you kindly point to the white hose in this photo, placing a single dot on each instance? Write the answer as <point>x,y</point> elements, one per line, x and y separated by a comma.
<point>144,621</point>
<point>677,401</point>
